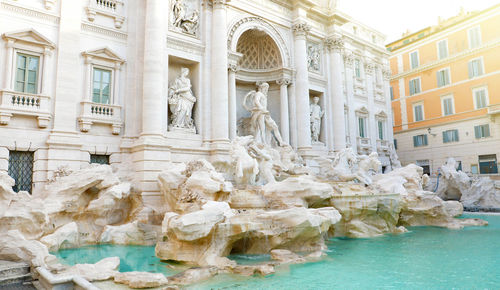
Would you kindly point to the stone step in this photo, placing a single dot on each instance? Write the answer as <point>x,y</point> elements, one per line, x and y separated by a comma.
<point>14,273</point>
<point>15,280</point>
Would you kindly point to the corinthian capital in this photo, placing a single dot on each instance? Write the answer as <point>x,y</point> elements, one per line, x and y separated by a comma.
<point>369,67</point>
<point>219,3</point>
<point>349,59</point>
<point>334,43</point>
<point>233,67</point>
<point>301,29</point>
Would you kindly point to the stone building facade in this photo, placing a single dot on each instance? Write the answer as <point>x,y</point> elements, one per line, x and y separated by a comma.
<point>93,81</point>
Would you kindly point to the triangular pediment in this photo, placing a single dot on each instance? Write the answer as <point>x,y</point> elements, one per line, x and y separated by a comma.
<point>382,115</point>
<point>104,53</point>
<point>30,36</point>
<point>362,110</point>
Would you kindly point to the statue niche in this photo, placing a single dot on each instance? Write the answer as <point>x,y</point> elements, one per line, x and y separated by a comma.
<point>316,113</point>
<point>181,101</point>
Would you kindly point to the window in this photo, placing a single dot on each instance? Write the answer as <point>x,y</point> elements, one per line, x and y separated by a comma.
<point>380,126</point>
<point>414,86</point>
<point>414,59</point>
<point>447,105</point>
<point>442,49</point>
<point>476,68</point>
<point>443,77</point>
<point>480,98</point>
<point>99,159</point>
<point>425,166</point>
<point>391,90</point>
<point>474,37</point>
<point>362,127</point>
<point>450,136</point>
<point>488,164</point>
<point>357,68</point>
<point>418,112</point>
<point>474,169</point>
<point>420,140</point>
<point>482,131</point>
<point>101,86</point>
<point>27,73</point>
<point>21,169</point>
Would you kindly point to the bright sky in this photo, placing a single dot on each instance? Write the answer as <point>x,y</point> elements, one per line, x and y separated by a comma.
<point>393,17</point>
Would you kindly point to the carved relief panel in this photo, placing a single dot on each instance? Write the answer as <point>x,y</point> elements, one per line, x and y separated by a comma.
<point>313,57</point>
<point>185,16</point>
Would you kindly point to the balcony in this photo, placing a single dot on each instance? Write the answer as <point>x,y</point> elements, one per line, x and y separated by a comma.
<point>109,8</point>
<point>24,104</point>
<point>364,145</point>
<point>100,114</point>
<point>383,146</point>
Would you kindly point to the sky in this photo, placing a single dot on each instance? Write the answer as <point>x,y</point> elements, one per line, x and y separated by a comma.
<point>393,17</point>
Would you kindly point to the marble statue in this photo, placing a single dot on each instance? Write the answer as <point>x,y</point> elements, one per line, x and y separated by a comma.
<point>181,20</point>
<point>245,166</point>
<point>181,101</point>
<point>313,58</point>
<point>316,113</point>
<point>263,127</point>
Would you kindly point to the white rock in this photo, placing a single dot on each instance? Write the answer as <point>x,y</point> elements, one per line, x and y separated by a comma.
<point>64,237</point>
<point>14,247</point>
<point>103,270</point>
<point>286,256</point>
<point>134,233</point>
<point>141,279</point>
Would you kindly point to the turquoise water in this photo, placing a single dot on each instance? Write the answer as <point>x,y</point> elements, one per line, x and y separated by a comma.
<point>424,258</point>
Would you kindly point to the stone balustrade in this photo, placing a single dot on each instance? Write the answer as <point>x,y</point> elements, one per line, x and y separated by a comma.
<point>109,8</point>
<point>383,145</point>
<point>100,114</point>
<point>364,145</point>
<point>17,103</point>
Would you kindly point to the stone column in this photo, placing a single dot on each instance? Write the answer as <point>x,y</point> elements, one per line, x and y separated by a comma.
<point>292,109</point>
<point>284,114</point>
<point>302,86</point>
<point>386,73</point>
<point>116,84</point>
<point>351,114</point>
<point>335,45</point>
<point>46,74</point>
<point>232,101</point>
<point>154,47</point>
<point>369,75</point>
<point>88,79</point>
<point>219,77</point>
<point>9,70</point>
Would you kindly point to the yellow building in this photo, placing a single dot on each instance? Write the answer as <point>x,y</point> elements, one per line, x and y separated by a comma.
<point>445,90</point>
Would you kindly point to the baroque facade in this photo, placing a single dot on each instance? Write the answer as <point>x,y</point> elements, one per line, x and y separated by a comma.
<point>141,84</point>
<point>446,94</point>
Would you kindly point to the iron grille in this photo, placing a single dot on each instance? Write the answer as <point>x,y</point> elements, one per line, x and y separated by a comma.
<point>21,169</point>
<point>99,159</point>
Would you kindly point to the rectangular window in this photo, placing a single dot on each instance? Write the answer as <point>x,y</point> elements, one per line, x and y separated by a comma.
<point>362,127</point>
<point>357,68</point>
<point>425,164</point>
<point>420,140</point>
<point>414,86</point>
<point>474,169</point>
<point>27,73</point>
<point>480,98</point>
<point>443,77</point>
<point>474,37</point>
<point>99,159</point>
<point>391,90</point>
<point>475,68</point>
<point>442,49</point>
<point>418,112</point>
<point>450,136</point>
<point>447,106</point>
<point>482,131</point>
<point>380,125</point>
<point>414,59</point>
<point>488,164</point>
<point>101,86</point>
<point>21,169</point>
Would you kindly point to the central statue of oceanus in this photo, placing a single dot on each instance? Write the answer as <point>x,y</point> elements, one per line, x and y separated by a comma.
<point>262,126</point>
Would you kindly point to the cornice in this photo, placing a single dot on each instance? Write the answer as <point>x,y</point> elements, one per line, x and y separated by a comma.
<point>90,27</point>
<point>30,12</point>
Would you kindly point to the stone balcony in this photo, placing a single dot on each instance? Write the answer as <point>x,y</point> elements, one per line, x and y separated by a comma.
<point>364,145</point>
<point>383,146</point>
<point>100,114</point>
<point>109,8</point>
<point>24,104</point>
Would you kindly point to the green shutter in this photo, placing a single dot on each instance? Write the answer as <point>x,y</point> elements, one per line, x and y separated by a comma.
<point>445,137</point>
<point>477,132</point>
<point>471,73</point>
<point>415,141</point>
<point>456,136</point>
<point>412,88</point>
<point>486,130</point>
<point>438,77</point>
<point>446,77</point>
<point>425,139</point>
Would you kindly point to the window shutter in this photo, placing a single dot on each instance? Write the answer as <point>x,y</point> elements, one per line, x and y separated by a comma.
<point>471,73</point>
<point>438,77</point>
<point>445,139</point>
<point>456,135</point>
<point>479,67</point>
<point>425,139</point>
<point>412,88</point>
<point>417,86</point>
<point>477,132</point>
<point>487,130</point>
<point>447,77</point>
<point>415,141</point>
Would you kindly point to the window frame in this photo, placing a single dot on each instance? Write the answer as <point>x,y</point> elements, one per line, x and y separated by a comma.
<point>414,105</point>
<point>457,139</point>
<point>381,128</point>
<point>425,140</point>
<point>365,129</point>
<point>483,136</point>
<point>486,94</point>
<point>419,86</point>
<point>447,49</point>
<point>478,27</point>
<point>38,71</point>
<point>448,97</point>
<point>469,67</point>
<point>418,59</point>
<point>111,84</point>
<point>448,74</point>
